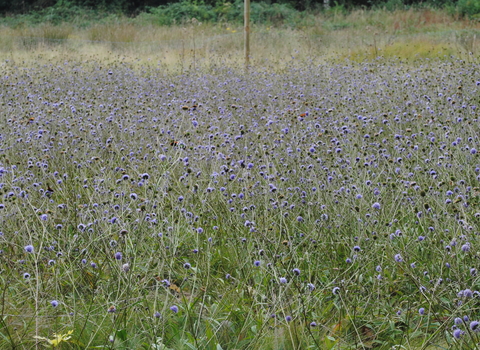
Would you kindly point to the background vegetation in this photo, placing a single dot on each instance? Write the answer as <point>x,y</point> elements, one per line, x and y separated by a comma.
<point>171,12</point>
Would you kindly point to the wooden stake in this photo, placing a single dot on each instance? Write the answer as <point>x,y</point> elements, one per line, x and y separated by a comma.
<point>247,32</point>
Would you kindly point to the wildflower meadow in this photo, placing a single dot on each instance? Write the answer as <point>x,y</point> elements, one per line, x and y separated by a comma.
<point>330,205</point>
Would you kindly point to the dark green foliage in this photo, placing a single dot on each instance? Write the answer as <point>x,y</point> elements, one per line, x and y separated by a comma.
<point>184,10</point>
<point>261,12</point>
<point>470,8</point>
<point>166,12</point>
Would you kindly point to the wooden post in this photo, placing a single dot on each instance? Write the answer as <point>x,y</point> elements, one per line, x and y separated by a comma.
<point>247,32</point>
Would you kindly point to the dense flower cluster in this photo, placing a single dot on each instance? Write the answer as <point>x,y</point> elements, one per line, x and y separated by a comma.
<point>322,176</point>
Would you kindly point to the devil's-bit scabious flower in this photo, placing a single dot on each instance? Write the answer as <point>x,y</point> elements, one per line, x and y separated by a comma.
<point>466,247</point>
<point>174,308</point>
<point>457,333</point>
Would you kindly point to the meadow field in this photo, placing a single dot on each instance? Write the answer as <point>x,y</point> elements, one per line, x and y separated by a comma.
<point>166,197</point>
<point>333,35</point>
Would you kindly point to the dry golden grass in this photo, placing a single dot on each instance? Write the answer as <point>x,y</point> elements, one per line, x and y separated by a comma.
<point>357,35</point>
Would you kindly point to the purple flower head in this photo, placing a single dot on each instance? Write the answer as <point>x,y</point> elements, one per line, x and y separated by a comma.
<point>398,258</point>
<point>54,303</point>
<point>29,248</point>
<point>421,311</point>
<point>474,326</point>
<point>313,324</point>
<point>187,266</point>
<point>457,333</point>
<point>174,308</point>
<point>283,280</point>
<point>336,290</point>
<point>376,205</point>
<point>157,314</point>
<point>458,321</point>
<point>296,272</point>
<point>288,318</point>
<point>257,263</point>
<point>118,256</point>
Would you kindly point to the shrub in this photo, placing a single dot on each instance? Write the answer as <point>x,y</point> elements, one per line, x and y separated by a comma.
<point>261,12</point>
<point>469,8</point>
<point>182,11</point>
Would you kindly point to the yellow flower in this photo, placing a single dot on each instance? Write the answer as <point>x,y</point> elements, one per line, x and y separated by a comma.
<point>58,338</point>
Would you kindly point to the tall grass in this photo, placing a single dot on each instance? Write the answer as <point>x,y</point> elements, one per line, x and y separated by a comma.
<point>358,34</point>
